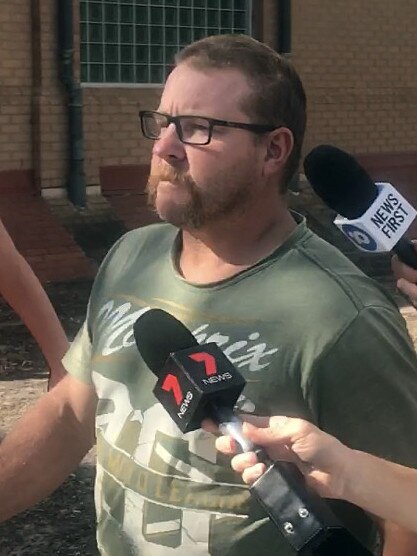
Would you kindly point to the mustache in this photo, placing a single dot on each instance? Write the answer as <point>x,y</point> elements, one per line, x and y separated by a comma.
<point>168,173</point>
<point>163,172</point>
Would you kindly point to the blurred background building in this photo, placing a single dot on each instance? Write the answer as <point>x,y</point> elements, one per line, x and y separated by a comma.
<point>75,73</point>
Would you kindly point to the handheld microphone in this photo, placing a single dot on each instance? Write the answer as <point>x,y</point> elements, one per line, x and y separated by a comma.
<point>195,382</point>
<point>374,216</point>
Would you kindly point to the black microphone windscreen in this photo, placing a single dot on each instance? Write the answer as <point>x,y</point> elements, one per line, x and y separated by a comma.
<point>340,181</point>
<point>157,335</point>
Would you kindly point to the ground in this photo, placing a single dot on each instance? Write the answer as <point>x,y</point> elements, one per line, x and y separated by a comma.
<point>64,524</point>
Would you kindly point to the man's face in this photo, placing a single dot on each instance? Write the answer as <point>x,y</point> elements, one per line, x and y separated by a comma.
<point>195,185</point>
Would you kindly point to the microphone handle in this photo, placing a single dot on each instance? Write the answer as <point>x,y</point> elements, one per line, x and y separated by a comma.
<point>230,424</point>
<point>301,515</point>
<point>406,252</point>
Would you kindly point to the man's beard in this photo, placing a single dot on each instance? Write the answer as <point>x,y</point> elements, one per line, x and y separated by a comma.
<point>223,196</point>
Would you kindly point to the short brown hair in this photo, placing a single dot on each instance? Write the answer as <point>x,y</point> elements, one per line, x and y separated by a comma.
<point>278,95</point>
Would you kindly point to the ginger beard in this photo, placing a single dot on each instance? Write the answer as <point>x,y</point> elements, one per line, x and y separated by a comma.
<point>179,200</point>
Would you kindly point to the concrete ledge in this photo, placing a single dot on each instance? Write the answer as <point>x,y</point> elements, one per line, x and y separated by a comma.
<point>17,181</point>
<point>123,178</point>
<point>61,192</point>
<point>42,240</point>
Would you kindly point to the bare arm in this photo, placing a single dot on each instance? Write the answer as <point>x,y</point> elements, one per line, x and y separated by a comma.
<point>380,487</point>
<point>25,294</point>
<point>384,489</point>
<point>389,491</point>
<point>46,444</point>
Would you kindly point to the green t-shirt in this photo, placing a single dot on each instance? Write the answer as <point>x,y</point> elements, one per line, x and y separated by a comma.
<point>313,337</point>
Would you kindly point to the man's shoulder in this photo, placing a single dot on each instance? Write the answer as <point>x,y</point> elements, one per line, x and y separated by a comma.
<point>135,250</point>
<point>339,277</point>
<point>324,254</point>
<point>153,239</point>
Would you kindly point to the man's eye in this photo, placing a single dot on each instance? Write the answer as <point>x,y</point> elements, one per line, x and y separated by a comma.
<point>192,124</point>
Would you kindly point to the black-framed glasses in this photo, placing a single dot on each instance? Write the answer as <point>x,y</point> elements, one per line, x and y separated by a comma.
<point>192,130</point>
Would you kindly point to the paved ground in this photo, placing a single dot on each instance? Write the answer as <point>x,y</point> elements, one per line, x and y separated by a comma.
<point>63,525</point>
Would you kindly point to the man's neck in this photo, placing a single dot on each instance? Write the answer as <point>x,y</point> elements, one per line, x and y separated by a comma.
<point>221,250</point>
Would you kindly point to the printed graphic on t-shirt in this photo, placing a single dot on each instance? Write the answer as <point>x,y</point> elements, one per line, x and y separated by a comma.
<point>156,488</point>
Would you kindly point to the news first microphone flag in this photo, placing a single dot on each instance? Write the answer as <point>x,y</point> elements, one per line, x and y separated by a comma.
<point>382,226</point>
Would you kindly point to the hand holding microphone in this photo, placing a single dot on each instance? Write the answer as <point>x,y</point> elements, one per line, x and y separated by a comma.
<point>195,383</point>
<point>321,458</point>
<point>383,488</point>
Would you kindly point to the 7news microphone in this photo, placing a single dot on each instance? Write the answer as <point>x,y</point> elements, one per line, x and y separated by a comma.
<point>374,216</point>
<point>196,382</point>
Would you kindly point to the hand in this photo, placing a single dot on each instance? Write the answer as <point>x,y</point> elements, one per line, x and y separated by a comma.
<point>322,459</point>
<point>406,278</point>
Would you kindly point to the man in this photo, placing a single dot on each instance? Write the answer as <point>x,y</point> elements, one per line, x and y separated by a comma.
<point>312,335</point>
<point>23,292</point>
<point>381,487</point>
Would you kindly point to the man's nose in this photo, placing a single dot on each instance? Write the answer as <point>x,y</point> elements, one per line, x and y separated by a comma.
<point>168,146</point>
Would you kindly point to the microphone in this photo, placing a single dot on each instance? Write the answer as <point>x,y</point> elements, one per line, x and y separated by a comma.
<point>374,216</point>
<point>195,382</point>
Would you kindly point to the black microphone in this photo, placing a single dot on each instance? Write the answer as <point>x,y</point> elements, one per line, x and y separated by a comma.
<point>195,382</point>
<point>374,216</point>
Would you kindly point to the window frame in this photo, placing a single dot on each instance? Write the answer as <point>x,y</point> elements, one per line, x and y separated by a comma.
<point>85,5</point>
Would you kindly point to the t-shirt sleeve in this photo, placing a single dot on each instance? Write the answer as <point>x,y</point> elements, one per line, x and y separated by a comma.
<point>77,360</point>
<point>363,390</point>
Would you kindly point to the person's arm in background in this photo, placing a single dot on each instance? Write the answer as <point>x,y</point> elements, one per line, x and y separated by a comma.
<point>363,391</point>
<point>45,445</point>
<point>382,488</point>
<point>22,290</point>
<point>51,438</point>
<point>406,278</point>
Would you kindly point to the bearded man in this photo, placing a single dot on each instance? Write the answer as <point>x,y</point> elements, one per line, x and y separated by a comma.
<point>312,335</point>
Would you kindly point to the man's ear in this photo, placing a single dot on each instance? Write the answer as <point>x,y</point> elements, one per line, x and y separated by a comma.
<point>278,149</point>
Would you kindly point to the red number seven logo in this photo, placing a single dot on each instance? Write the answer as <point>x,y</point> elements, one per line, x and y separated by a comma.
<point>171,383</point>
<point>208,360</point>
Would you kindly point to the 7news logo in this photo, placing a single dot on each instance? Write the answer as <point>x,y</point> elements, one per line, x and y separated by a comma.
<point>194,381</point>
<point>171,382</point>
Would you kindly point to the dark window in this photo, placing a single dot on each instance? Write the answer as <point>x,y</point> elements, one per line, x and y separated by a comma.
<point>135,41</point>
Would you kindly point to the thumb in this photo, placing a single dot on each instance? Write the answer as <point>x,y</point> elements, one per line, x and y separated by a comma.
<point>408,289</point>
<point>264,436</point>
<point>269,438</point>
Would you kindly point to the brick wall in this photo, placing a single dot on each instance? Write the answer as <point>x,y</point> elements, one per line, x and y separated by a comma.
<point>357,61</point>
<point>111,127</point>
<point>15,86</point>
<point>50,129</point>
<point>32,100</point>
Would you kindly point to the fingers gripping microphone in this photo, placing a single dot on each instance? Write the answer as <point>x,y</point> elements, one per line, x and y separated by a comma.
<point>374,216</point>
<point>196,382</point>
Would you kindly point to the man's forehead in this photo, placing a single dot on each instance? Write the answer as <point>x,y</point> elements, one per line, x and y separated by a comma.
<point>191,90</point>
